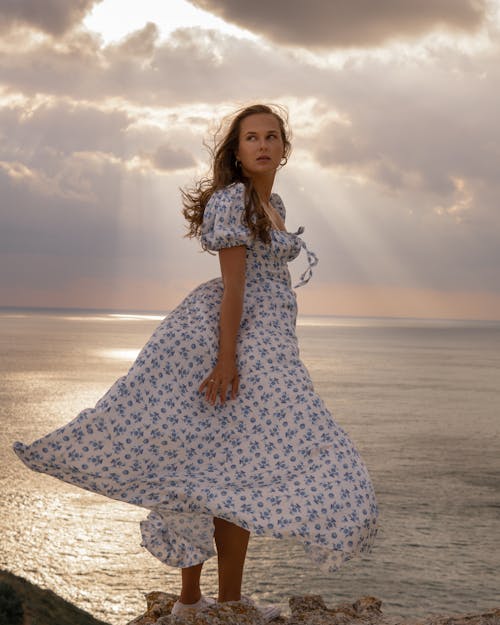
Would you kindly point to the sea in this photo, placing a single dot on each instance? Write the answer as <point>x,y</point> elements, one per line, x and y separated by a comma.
<point>420,398</point>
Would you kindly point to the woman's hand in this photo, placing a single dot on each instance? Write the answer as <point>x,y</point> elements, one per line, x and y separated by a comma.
<point>223,375</point>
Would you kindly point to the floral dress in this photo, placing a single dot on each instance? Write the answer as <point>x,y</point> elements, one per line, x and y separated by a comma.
<point>272,460</point>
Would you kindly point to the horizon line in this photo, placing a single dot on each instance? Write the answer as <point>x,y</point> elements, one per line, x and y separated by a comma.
<point>135,311</point>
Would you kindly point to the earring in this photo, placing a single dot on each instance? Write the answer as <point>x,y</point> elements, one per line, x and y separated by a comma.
<point>283,161</point>
<point>236,163</point>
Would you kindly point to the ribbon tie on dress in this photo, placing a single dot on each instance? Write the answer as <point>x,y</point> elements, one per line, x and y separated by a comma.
<point>312,261</point>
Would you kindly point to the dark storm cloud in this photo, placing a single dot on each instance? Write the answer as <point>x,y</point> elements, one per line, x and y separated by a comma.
<point>335,24</point>
<point>54,17</point>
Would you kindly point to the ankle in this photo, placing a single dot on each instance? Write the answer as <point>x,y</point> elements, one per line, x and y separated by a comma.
<point>229,596</point>
<point>190,597</point>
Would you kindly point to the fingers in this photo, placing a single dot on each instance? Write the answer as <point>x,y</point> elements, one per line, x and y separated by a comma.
<point>210,387</point>
<point>216,386</point>
<point>235,386</point>
<point>206,384</point>
<point>231,386</point>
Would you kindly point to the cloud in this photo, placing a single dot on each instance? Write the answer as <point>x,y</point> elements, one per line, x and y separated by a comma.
<point>56,129</point>
<point>72,178</point>
<point>139,43</point>
<point>61,128</point>
<point>396,152</point>
<point>337,24</point>
<point>72,68</point>
<point>93,220</point>
<point>193,65</point>
<point>364,236</point>
<point>54,17</point>
<point>426,126</point>
<point>166,158</point>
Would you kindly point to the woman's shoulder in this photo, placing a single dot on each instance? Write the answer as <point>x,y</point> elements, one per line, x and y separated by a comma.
<point>225,203</point>
<point>230,193</point>
<point>223,224</point>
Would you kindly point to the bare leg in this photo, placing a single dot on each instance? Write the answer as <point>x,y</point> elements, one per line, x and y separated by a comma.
<point>232,542</point>
<point>190,592</point>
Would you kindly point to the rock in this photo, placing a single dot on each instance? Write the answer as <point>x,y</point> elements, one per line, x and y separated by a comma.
<point>11,605</point>
<point>312,610</point>
<point>159,607</point>
<point>159,604</point>
<point>368,605</point>
<point>229,613</point>
<point>306,610</point>
<point>40,606</point>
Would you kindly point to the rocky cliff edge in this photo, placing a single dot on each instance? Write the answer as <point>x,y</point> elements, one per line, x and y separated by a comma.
<point>308,610</point>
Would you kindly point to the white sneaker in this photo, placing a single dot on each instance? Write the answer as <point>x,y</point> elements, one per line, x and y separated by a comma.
<point>268,612</point>
<point>185,609</point>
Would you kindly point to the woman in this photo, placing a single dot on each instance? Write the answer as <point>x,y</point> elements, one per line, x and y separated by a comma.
<point>216,428</point>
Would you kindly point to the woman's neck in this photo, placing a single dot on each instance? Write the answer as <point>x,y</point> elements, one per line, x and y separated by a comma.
<point>263,186</point>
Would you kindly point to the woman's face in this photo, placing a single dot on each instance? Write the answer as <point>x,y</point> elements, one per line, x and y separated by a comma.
<point>260,145</point>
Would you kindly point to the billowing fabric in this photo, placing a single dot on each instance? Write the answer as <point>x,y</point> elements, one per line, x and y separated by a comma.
<point>272,460</point>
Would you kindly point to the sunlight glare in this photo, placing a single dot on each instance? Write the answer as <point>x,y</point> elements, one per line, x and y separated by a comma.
<point>119,354</point>
<point>134,316</point>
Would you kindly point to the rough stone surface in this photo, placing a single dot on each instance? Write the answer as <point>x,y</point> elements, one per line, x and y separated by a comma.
<point>43,607</point>
<point>312,610</point>
<point>159,607</point>
<point>307,610</point>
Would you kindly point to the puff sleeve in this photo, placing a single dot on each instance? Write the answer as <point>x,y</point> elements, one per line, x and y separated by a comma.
<point>223,219</point>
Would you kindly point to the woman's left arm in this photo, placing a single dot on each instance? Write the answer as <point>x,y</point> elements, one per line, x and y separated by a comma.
<point>225,373</point>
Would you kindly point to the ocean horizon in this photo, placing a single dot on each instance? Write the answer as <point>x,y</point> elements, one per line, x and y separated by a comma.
<point>160,314</point>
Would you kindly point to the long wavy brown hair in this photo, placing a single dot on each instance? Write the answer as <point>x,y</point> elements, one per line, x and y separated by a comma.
<point>225,170</point>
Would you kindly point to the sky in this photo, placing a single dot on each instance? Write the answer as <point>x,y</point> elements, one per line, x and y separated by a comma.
<point>105,107</point>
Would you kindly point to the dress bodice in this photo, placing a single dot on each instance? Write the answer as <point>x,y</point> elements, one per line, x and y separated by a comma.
<point>223,226</point>
<point>268,261</point>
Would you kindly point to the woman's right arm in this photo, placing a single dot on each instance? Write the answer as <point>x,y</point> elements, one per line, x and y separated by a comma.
<point>225,373</point>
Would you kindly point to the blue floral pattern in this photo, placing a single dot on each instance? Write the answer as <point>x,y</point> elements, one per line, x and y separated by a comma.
<point>272,460</point>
